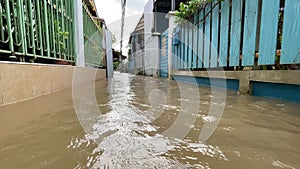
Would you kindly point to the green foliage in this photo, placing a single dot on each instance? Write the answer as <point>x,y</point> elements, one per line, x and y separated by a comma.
<point>116,65</point>
<point>114,39</point>
<point>62,36</point>
<point>187,10</point>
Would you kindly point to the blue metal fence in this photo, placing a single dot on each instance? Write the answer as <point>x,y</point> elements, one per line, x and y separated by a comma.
<point>238,33</point>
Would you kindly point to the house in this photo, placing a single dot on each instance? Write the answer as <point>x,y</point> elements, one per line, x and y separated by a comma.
<point>138,58</point>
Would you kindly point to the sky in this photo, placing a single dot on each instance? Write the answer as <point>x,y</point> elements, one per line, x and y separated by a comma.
<point>110,10</point>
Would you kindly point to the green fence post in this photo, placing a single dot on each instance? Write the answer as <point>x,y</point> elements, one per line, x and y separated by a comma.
<point>8,20</point>
<point>47,27</point>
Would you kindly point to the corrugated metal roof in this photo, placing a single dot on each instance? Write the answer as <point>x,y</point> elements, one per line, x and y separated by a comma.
<point>92,7</point>
<point>140,25</point>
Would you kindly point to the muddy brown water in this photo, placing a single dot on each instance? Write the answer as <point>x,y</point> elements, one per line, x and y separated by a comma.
<point>130,130</point>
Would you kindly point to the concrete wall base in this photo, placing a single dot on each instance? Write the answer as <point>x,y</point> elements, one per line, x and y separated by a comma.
<point>246,77</point>
<point>23,81</point>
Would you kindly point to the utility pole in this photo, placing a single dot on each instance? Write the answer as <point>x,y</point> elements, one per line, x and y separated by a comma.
<point>123,4</point>
<point>173,5</point>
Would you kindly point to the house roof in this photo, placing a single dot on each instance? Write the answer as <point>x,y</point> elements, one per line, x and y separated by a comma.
<point>139,27</point>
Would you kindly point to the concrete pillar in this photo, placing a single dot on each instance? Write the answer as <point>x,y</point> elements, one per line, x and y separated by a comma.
<point>78,34</point>
<point>171,17</point>
<point>244,82</point>
<point>156,53</point>
<point>148,40</point>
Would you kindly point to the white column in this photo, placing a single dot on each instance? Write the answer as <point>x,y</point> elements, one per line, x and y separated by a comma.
<point>171,17</point>
<point>78,33</point>
<point>109,54</point>
<point>156,53</point>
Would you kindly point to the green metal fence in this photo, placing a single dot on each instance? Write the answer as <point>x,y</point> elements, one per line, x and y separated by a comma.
<point>93,36</point>
<point>43,31</point>
<point>38,29</point>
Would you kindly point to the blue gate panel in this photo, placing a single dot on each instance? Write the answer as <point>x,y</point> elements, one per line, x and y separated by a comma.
<point>195,42</point>
<point>182,46</point>
<point>235,35</point>
<point>268,32</point>
<point>224,33</point>
<point>186,47</point>
<point>173,57</point>
<point>207,37</point>
<point>176,45</point>
<point>190,45</point>
<point>200,39</point>
<point>250,28</point>
<point>214,36</point>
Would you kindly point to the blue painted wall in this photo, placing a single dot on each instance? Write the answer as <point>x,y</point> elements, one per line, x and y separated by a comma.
<point>276,90</point>
<point>230,84</point>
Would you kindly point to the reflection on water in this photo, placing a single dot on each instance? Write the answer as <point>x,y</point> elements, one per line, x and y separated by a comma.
<point>130,131</point>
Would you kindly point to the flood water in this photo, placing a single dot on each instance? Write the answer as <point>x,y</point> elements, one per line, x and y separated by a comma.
<point>144,122</point>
